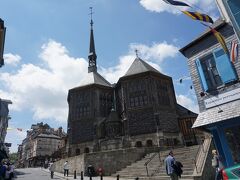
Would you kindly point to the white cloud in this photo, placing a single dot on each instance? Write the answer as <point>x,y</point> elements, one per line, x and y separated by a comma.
<point>44,89</point>
<point>154,55</point>
<point>11,59</point>
<point>158,6</point>
<point>206,6</point>
<point>187,102</point>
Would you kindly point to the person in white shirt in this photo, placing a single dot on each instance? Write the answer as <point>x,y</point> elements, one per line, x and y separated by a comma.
<point>66,168</point>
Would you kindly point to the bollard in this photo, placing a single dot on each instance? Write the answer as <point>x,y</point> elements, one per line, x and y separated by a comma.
<point>81,175</point>
<point>75,174</point>
<point>118,177</point>
<point>137,178</point>
<point>101,177</point>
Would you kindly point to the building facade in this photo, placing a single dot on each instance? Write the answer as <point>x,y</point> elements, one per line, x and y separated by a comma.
<point>140,110</point>
<point>4,117</point>
<point>39,145</point>
<point>216,81</point>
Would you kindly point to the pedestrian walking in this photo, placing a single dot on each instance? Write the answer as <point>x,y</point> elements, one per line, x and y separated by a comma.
<point>52,169</point>
<point>217,164</point>
<point>66,168</point>
<point>170,162</point>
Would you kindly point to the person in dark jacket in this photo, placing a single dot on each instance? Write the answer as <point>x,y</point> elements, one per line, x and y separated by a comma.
<point>177,166</point>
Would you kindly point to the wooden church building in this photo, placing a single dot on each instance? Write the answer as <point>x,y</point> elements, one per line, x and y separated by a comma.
<point>140,110</point>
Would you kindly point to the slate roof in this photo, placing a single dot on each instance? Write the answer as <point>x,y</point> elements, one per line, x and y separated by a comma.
<point>139,66</point>
<point>113,117</point>
<point>48,136</point>
<point>213,115</point>
<point>184,112</point>
<point>94,78</point>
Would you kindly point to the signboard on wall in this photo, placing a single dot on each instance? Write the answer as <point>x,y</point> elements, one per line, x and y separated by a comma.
<point>222,98</point>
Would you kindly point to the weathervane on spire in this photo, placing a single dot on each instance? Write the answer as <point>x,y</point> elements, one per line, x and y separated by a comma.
<point>136,51</point>
<point>91,13</point>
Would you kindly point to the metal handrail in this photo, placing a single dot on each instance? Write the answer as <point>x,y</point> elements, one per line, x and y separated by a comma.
<point>150,159</point>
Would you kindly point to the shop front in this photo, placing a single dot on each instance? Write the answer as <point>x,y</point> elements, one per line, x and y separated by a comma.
<point>223,122</point>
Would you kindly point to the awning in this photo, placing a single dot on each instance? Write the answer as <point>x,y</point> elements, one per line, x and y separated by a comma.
<point>219,113</point>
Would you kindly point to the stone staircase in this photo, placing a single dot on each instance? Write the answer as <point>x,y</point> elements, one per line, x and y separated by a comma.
<point>155,169</point>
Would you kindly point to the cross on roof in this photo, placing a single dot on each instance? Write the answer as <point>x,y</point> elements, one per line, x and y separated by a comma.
<point>91,13</point>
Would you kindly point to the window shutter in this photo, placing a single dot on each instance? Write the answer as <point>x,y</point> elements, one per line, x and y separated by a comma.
<point>201,74</point>
<point>224,66</point>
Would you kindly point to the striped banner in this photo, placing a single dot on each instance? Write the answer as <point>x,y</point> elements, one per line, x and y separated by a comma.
<point>234,51</point>
<point>198,16</point>
<point>175,3</point>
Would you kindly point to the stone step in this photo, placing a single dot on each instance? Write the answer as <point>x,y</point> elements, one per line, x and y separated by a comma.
<point>155,172</point>
<point>163,177</point>
<point>185,155</point>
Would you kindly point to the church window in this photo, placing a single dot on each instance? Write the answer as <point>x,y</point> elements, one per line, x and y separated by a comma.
<point>138,144</point>
<point>136,101</point>
<point>149,143</point>
<point>145,100</point>
<point>86,150</point>
<point>77,152</point>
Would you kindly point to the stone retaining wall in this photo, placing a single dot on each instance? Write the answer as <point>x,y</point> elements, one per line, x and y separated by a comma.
<point>109,161</point>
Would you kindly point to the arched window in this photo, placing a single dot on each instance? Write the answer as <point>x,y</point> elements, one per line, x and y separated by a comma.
<point>86,150</point>
<point>77,152</point>
<point>138,144</point>
<point>149,143</point>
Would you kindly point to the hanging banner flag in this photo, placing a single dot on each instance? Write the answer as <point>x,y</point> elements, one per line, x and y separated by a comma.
<point>219,37</point>
<point>175,3</point>
<point>234,51</point>
<point>198,16</point>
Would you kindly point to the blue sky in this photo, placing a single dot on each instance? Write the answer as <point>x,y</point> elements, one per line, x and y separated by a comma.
<point>47,43</point>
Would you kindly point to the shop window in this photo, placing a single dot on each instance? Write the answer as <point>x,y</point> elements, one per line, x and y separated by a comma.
<point>215,70</point>
<point>233,138</point>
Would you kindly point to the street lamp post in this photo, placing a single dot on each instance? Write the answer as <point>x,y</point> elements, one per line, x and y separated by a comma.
<point>2,41</point>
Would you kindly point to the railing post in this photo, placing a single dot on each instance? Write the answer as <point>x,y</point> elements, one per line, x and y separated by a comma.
<point>81,175</point>
<point>159,158</point>
<point>147,169</point>
<point>75,174</point>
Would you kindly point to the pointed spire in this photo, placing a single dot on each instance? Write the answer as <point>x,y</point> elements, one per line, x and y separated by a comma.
<point>92,57</point>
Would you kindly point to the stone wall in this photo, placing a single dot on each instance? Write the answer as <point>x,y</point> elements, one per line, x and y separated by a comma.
<point>109,161</point>
<point>75,163</point>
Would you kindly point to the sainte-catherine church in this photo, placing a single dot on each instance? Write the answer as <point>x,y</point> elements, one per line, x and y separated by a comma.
<point>140,110</point>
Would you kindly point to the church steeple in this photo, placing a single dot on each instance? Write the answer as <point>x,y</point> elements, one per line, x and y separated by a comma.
<point>92,57</point>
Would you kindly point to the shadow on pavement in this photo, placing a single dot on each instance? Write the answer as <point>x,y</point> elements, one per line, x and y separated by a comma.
<point>17,172</point>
